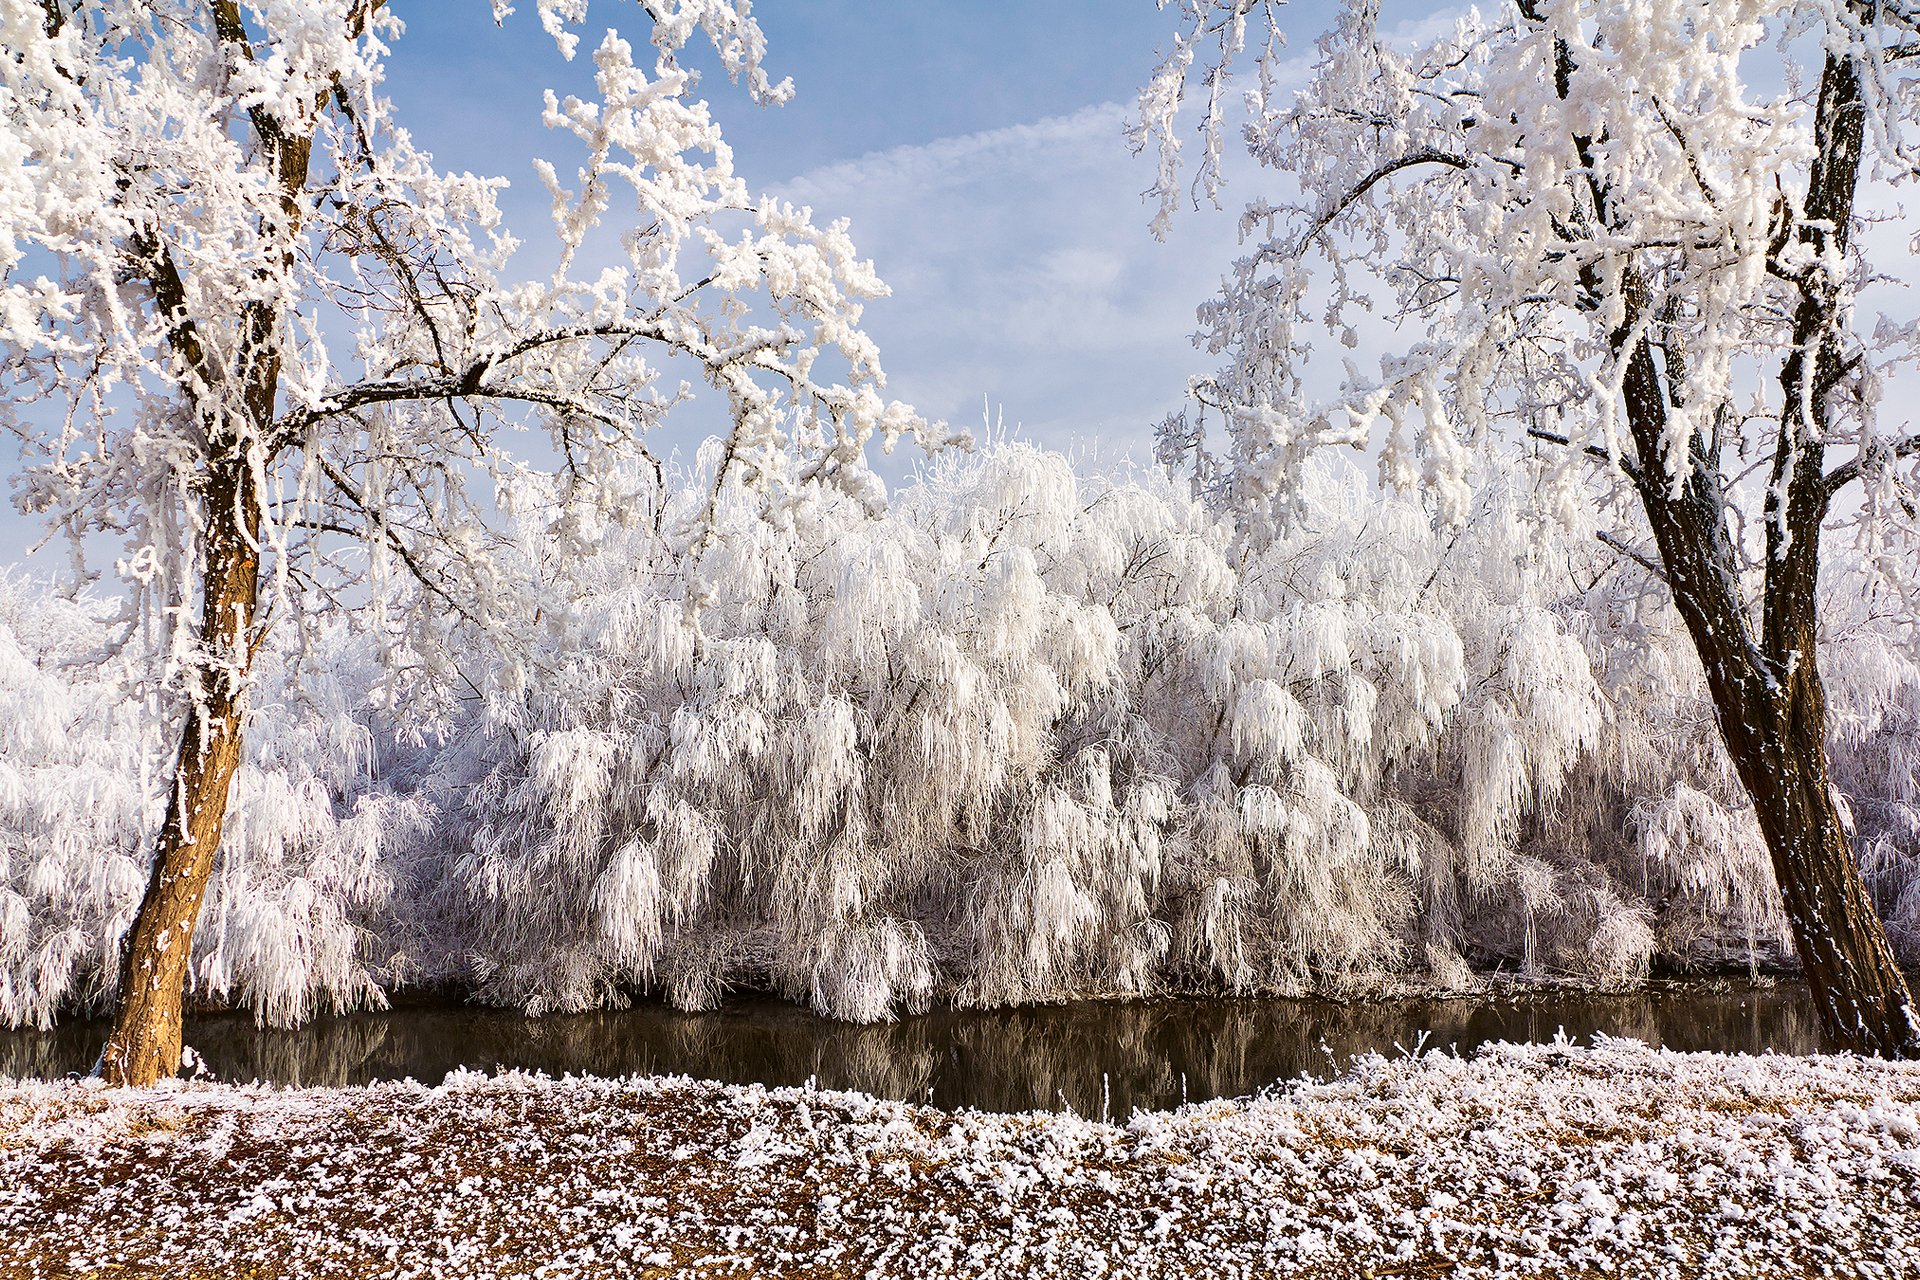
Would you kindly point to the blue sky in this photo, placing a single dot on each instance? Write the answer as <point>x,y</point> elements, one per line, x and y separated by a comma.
<point>871,74</point>
<point>977,148</point>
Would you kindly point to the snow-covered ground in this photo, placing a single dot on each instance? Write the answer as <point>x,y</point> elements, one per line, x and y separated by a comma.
<point>1521,1160</point>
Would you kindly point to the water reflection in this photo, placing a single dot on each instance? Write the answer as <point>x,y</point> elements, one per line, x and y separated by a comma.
<point>1118,1056</point>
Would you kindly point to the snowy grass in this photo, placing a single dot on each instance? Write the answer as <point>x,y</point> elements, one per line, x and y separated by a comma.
<point>1521,1160</point>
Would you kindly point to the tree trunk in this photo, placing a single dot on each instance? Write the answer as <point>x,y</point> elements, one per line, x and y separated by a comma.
<point>1767,694</point>
<point>1857,986</point>
<point>236,403</point>
<point>143,1043</point>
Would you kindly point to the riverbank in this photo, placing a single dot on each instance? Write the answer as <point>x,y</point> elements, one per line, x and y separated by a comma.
<point>1517,1161</point>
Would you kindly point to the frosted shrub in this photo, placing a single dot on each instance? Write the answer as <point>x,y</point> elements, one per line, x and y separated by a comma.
<point>1874,686</point>
<point>76,795</point>
<point>1030,735</point>
<point>1023,735</point>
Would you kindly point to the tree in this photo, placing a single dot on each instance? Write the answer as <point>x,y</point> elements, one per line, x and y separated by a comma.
<point>1630,235</point>
<point>247,328</point>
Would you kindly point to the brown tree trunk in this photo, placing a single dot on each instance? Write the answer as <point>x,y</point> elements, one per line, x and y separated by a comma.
<point>1858,989</point>
<point>143,1043</point>
<point>1767,694</point>
<point>236,402</point>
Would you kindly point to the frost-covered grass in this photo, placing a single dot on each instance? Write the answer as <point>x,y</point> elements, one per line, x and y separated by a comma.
<point>1521,1160</point>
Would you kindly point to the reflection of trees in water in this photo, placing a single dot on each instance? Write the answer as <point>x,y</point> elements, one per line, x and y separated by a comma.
<point>1150,1053</point>
<point>235,1049</point>
<point>49,1055</point>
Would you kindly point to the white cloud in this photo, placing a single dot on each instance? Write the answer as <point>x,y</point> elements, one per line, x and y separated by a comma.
<point>1024,274</point>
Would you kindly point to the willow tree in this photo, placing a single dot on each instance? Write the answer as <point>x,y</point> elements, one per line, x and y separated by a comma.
<point>1629,234</point>
<point>253,335</point>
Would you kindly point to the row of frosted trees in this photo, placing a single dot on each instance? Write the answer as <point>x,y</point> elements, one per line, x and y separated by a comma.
<point>1026,735</point>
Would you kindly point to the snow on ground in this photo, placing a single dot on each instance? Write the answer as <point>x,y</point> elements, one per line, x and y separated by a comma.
<point>1521,1160</point>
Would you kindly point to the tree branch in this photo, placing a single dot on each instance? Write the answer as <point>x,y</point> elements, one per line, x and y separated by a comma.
<point>154,262</point>
<point>1621,461</point>
<point>1426,155</point>
<point>468,380</point>
<point>1846,473</point>
<point>1799,489</point>
<point>413,566</point>
<point>1651,566</point>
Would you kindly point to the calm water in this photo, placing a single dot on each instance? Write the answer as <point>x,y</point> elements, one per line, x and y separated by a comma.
<point>1116,1056</point>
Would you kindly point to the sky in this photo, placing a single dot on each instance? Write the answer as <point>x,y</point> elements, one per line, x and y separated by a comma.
<point>977,148</point>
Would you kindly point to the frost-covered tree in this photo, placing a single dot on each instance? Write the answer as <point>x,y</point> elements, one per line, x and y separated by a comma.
<point>1023,735</point>
<point>1631,233</point>
<point>252,333</point>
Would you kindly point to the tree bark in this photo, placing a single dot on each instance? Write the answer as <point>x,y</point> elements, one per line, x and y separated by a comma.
<point>143,1042</point>
<point>1860,992</point>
